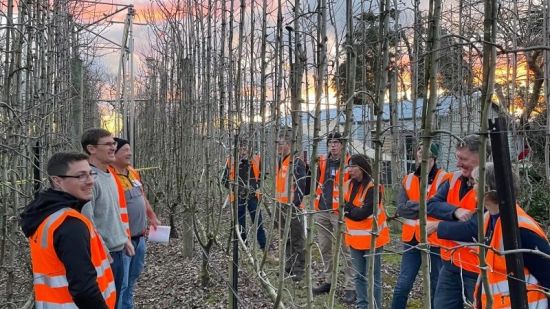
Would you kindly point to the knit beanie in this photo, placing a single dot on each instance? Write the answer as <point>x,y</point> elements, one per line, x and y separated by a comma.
<point>120,142</point>
<point>434,149</point>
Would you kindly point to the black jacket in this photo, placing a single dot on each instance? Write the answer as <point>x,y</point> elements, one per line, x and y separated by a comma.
<point>71,244</point>
<point>363,212</point>
<point>247,184</point>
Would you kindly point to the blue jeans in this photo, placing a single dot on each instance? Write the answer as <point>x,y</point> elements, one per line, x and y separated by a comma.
<point>410,264</point>
<point>449,292</point>
<point>133,266</point>
<point>117,266</point>
<point>252,204</point>
<point>360,262</point>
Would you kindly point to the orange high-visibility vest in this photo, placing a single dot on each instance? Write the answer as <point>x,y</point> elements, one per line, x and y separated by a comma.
<point>358,233</point>
<point>335,184</point>
<point>51,287</point>
<point>121,201</point>
<point>411,183</point>
<point>134,173</point>
<point>254,164</point>
<point>282,193</point>
<point>464,257</point>
<point>496,274</point>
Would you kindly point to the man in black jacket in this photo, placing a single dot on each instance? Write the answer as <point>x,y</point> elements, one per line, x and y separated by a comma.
<point>248,183</point>
<point>72,180</point>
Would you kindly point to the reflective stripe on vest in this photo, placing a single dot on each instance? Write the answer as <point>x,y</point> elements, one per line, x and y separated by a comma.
<point>411,184</point>
<point>335,184</point>
<point>358,233</point>
<point>49,305</point>
<point>51,219</point>
<point>410,222</point>
<point>49,275</point>
<point>61,281</point>
<point>497,273</point>
<point>463,257</point>
<point>366,232</point>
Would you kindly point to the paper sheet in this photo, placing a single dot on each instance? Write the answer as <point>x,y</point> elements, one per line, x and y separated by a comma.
<point>161,234</point>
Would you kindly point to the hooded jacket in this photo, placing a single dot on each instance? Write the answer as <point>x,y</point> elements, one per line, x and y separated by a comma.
<point>71,244</point>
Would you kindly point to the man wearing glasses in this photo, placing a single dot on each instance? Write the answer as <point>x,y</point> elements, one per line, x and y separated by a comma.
<point>327,203</point>
<point>104,209</point>
<point>69,262</point>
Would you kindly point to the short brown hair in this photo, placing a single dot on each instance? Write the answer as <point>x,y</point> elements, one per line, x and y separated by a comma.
<point>58,164</point>
<point>92,137</point>
<point>335,136</point>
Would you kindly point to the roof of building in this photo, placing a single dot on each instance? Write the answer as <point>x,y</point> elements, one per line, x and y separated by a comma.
<point>405,108</point>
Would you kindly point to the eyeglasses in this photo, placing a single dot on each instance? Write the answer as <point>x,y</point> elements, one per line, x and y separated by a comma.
<point>82,177</point>
<point>112,144</point>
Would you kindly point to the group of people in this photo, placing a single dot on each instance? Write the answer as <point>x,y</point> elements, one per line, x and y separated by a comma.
<point>451,225</point>
<point>86,232</point>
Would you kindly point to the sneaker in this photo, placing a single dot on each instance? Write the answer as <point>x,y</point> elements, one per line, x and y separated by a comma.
<point>322,289</point>
<point>349,297</point>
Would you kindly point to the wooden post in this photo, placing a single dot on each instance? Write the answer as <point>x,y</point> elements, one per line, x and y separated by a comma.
<point>36,167</point>
<point>508,215</point>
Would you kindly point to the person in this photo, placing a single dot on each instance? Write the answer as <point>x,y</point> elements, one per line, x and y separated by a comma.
<point>69,263</point>
<point>248,186</point>
<point>139,210</point>
<point>289,194</point>
<point>455,200</point>
<point>536,267</point>
<point>408,197</point>
<point>327,201</point>
<point>359,218</point>
<point>107,208</point>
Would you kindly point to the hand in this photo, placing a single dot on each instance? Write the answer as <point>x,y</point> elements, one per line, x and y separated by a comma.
<point>155,222</point>
<point>129,248</point>
<point>431,227</point>
<point>347,208</point>
<point>463,214</point>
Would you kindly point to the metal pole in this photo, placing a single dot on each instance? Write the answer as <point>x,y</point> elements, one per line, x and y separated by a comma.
<point>131,104</point>
<point>121,82</point>
<point>235,192</point>
<point>508,215</point>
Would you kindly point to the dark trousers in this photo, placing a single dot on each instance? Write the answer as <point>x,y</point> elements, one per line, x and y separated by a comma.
<point>410,265</point>
<point>251,203</point>
<point>117,266</point>
<point>452,288</point>
<point>295,244</point>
